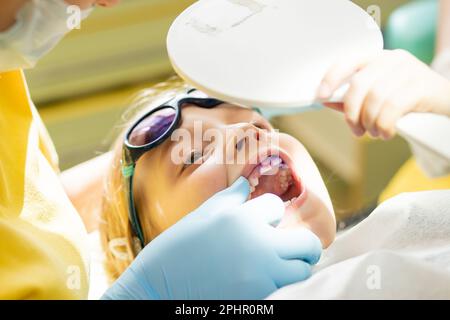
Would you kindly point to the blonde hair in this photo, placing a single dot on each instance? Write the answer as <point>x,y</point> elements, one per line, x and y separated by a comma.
<point>118,242</point>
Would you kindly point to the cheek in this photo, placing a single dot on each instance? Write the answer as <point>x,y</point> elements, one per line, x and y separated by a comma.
<point>189,192</point>
<point>307,169</point>
<point>317,212</point>
<point>203,183</point>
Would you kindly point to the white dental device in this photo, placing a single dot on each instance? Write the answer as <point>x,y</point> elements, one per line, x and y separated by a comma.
<point>275,53</point>
<point>267,53</point>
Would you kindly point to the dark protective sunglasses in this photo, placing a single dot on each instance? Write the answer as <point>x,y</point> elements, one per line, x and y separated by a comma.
<point>151,130</point>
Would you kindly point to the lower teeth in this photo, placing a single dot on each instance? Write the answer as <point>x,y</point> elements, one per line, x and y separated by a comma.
<point>289,202</point>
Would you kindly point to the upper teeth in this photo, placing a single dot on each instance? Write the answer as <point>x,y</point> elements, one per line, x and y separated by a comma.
<point>285,179</point>
<point>269,166</point>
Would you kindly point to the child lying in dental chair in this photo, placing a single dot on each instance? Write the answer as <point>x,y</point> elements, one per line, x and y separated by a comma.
<point>165,190</point>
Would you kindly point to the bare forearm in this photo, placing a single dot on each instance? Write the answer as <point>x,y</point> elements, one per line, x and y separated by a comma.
<point>84,186</point>
<point>443,36</point>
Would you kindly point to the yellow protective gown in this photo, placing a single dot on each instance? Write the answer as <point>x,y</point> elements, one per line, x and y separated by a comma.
<point>42,238</point>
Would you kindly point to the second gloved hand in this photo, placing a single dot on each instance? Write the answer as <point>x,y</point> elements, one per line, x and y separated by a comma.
<point>226,249</point>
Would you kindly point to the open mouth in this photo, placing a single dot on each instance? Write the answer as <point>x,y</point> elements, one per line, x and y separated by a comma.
<point>275,174</point>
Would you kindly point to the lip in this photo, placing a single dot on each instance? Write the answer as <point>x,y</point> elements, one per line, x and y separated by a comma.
<point>263,154</point>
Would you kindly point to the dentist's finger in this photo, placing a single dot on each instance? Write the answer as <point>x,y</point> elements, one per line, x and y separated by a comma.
<point>338,74</point>
<point>373,104</point>
<point>231,197</point>
<point>338,106</point>
<point>267,208</point>
<point>291,271</point>
<point>298,243</point>
<point>393,109</point>
<point>362,87</point>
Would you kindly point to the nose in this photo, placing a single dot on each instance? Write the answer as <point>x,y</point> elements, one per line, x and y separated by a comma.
<point>245,144</point>
<point>243,141</point>
<point>245,132</point>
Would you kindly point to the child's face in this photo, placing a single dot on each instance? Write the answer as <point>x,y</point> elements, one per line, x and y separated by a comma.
<point>166,191</point>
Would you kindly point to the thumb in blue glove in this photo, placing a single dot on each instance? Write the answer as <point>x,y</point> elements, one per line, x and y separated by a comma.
<point>226,249</point>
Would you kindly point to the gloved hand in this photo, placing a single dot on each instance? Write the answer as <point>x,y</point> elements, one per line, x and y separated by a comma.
<point>226,249</point>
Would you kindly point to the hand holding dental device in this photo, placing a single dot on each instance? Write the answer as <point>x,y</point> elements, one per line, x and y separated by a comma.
<point>274,54</point>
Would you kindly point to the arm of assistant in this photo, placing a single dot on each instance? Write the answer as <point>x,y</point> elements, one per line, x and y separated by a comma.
<point>84,186</point>
<point>40,234</point>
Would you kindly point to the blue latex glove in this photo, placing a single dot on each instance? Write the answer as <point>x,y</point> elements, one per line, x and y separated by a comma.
<point>226,249</point>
